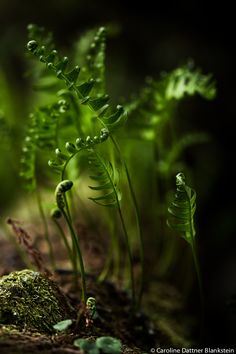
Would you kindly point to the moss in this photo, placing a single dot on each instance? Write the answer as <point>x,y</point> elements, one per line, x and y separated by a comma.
<point>29,299</point>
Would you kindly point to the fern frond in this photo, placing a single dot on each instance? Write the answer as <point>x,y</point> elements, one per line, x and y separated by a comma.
<point>90,52</point>
<point>109,118</point>
<point>107,180</point>
<point>186,81</point>
<point>41,134</point>
<point>62,159</point>
<point>154,103</point>
<point>182,210</point>
<point>40,35</point>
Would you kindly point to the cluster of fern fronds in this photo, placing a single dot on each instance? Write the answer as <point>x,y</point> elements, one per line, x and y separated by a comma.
<point>79,133</point>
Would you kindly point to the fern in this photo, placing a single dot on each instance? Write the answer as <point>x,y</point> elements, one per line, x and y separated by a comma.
<point>182,210</point>
<point>41,134</point>
<point>154,104</point>
<point>62,159</point>
<point>185,81</point>
<point>109,118</point>
<point>181,219</point>
<point>107,179</point>
<point>91,54</point>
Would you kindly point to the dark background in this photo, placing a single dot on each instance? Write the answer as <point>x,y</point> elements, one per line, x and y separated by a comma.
<point>151,38</point>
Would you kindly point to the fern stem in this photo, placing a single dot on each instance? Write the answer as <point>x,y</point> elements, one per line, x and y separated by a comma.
<point>75,116</point>
<point>46,232</point>
<point>129,257</point>
<point>199,279</point>
<point>138,222</point>
<point>196,262</point>
<point>114,251</point>
<point>66,243</point>
<point>79,254</point>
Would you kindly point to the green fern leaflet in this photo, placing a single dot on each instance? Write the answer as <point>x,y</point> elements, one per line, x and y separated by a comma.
<point>182,210</point>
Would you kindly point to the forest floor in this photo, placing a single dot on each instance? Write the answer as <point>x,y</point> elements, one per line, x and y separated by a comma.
<point>163,321</point>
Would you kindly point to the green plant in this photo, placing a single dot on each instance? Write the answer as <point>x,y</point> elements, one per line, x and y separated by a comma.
<point>129,153</point>
<point>106,345</point>
<point>62,325</point>
<point>182,210</point>
<point>109,119</point>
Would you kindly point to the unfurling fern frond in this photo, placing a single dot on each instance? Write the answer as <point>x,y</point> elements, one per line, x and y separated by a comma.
<point>109,118</point>
<point>181,219</point>
<point>59,164</point>
<point>182,210</point>
<point>41,134</point>
<point>106,177</point>
<point>40,35</point>
<point>61,189</point>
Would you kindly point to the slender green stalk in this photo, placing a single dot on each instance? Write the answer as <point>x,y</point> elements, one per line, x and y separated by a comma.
<point>79,254</point>
<point>114,251</point>
<point>195,259</point>
<point>199,279</point>
<point>64,238</point>
<point>138,221</point>
<point>131,271</point>
<point>46,233</point>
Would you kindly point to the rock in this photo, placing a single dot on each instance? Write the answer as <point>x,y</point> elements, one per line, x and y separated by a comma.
<point>30,300</point>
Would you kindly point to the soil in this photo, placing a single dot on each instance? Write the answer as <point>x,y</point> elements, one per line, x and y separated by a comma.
<point>163,322</point>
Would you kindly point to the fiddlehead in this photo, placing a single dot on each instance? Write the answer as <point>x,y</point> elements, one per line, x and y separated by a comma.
<point>109,118</point>
<point>62,159</point>
<point>182,210</point>
<point>61,189</point>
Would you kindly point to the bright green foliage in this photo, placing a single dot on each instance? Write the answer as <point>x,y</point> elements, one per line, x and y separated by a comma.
<point>41,135</point>
<point>62,325</point>
<point>109,118</point>
<point>182,210</point>
<point>131,153</point>
<point>62,159</point>
<point>107,178</point>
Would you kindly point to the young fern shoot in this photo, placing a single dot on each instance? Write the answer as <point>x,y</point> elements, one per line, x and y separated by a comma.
<point>60,191</point>
<point>106,178</point>
<point>182,210</point>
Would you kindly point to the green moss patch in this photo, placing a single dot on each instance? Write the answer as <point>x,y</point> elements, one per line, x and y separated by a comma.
<point>29,299</point>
